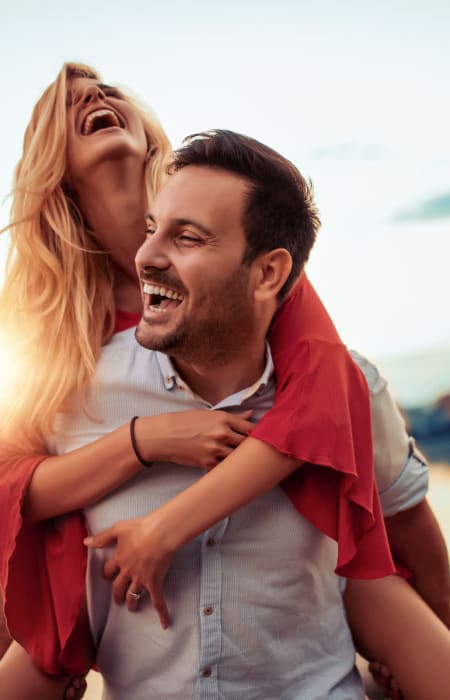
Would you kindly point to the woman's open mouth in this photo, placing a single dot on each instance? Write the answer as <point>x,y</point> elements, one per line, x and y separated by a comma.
<point>103,118</point>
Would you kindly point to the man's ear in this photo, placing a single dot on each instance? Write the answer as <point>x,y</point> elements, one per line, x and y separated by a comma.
<point>271,272</point>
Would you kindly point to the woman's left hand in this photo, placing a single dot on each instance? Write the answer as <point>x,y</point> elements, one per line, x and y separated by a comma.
<point>75,689</point>
<point>139,562</point>
<point>385,681</point>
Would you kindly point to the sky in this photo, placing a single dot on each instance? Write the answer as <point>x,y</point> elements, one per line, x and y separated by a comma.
<point>354,93</point>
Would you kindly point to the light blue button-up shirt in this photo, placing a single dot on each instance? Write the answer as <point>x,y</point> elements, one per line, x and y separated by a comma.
<point>255,605</point>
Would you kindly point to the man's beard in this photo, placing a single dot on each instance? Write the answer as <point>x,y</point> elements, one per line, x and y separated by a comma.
<point>213,336</point>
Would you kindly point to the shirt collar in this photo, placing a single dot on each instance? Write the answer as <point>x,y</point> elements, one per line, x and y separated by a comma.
<point>173,381</point>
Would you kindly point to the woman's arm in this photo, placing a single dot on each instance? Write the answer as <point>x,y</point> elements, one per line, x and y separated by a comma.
<point>145,545</point>
<point>252,469</point>
<point>64,483</point>
<point>392,624</point>
<point>5,639</point>
<point>417,541</point>
<point>21,680</point>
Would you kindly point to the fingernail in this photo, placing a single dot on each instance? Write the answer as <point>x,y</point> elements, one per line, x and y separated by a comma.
<point>88,540</point>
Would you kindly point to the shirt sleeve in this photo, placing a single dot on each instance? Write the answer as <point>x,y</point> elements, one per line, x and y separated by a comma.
<point>409,488</point>
<point>401,472</point>
<point>42,573</point>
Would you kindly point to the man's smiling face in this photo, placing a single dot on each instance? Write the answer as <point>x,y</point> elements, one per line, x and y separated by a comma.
<point>196,290</point>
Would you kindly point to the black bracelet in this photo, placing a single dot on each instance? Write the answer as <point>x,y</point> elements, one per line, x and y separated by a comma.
<point>144,462</point>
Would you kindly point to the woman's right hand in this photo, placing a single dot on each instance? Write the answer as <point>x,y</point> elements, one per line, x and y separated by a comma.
<point>77,479</point>
<point>196,438</point>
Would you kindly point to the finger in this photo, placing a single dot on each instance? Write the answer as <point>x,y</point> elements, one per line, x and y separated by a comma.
<point>380,679</point>
<point>233,439</point>
<point>102,539</point>
<point>394,690</point>
<point>246,415</point>
<point>160,606</point>
<point>220,455</point>
<point>382,683</point>
<point>239,425</point>
<point>76,688</point>
<point>384,671</point>
<point>239,422</point>
<point>394,695</point>
<point>120,587</point>
<point>133,596</point>
<point>374,666</point>
<point>377,668</point>
<point>111,569</point>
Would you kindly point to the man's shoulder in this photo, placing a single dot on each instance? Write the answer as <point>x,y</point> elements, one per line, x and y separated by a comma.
<point>375,381</point>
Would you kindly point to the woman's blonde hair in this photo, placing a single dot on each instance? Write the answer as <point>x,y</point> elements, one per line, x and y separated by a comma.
<point>56,306</point>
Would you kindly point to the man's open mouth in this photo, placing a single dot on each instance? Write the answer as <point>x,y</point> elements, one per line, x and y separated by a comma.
<point>161,298</point>
<point>101,119</point>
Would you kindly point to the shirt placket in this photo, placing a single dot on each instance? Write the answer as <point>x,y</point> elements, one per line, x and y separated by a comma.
<point>210,612</point>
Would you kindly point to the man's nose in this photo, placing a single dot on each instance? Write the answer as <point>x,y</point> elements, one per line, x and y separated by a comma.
<point>93,92</point>
<point>152,253</point>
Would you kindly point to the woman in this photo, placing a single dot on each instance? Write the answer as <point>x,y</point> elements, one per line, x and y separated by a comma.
<point>72,286</point>
<point>76,304</point>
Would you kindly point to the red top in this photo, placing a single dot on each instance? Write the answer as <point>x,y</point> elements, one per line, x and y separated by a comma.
<point>321,416</point>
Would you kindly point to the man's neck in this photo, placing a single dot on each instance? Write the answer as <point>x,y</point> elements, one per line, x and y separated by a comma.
<point>214,382</point>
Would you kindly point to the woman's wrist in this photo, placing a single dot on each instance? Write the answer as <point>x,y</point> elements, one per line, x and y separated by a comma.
<point>145,463</point>
<point>166,528</point>
<point>149,438</point>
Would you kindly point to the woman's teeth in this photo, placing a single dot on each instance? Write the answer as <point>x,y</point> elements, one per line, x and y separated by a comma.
<point>100,119</point>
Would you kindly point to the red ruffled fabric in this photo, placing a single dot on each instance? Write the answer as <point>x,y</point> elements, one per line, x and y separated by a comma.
<point>321,416</point>
<point>42,575</point>
<point>43,568</point>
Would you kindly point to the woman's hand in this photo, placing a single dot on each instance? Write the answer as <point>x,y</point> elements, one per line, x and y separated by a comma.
<point>196,438</point>
<point>140,562</point>
<point>75,688</point>
<point>385,681</point>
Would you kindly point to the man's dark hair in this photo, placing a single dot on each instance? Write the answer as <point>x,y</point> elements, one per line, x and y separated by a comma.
<point>280,210</point>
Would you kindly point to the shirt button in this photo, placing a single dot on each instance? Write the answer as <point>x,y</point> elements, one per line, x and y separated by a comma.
<point>208,610</point>
<point>206,673</point>
<point>210,542</point>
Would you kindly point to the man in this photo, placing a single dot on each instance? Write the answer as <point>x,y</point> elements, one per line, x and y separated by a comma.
<point>210,313</point>
<point>255,604</point>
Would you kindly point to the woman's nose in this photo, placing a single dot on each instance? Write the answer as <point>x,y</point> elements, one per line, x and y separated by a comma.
<point>93,92</point>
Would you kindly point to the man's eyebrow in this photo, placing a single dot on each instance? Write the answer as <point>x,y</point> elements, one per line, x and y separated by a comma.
<point>184,222</point>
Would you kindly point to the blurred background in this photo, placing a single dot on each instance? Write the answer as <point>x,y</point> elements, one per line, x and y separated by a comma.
<point>354,93</point>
